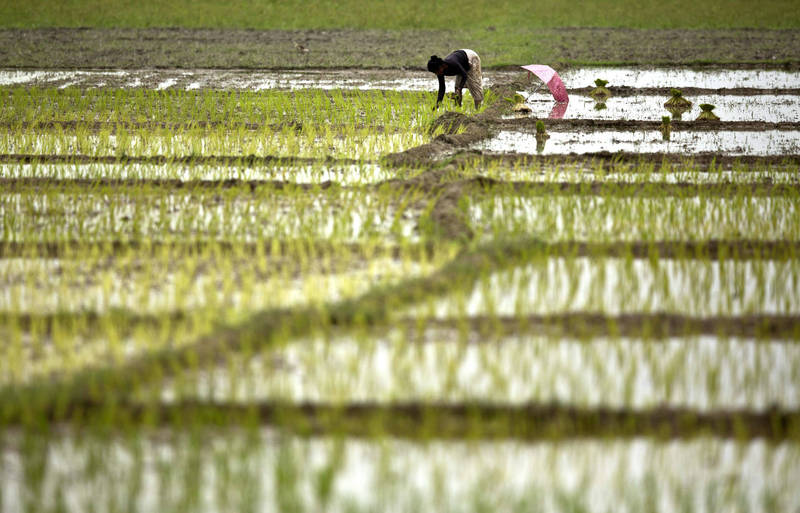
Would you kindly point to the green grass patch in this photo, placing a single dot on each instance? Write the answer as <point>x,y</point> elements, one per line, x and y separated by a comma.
<point>400,15</point>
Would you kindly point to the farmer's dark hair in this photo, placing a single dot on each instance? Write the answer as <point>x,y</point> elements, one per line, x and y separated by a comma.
<point>434,63</point>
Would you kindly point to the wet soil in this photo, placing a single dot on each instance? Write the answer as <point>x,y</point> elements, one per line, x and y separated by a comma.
<point>588,326</point>
<point>447,192</point>
<point>113,126</point>
<point>461,157</point>
<point>248,160</point>
<point>529,125</point>
<point>66,48</point>
<point>628,91</point>
<point>740,249</point>
<point>582,325</point>
<point>442,420</point>
<point>460,131</point>
<point>628,161</point>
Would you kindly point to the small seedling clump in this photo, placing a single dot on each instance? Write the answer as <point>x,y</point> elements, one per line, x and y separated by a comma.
<point>677,101</point>
<point>518,103</point>
<point>600,92</point>
<point>706,114</point>
<point>540,129</point>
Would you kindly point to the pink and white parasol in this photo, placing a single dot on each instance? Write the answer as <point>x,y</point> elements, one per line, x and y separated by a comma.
<point>549,76</point>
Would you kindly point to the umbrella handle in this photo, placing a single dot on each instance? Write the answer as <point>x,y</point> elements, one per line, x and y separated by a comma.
<point>530,77</point>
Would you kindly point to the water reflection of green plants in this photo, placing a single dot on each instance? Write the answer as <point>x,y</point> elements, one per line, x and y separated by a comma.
<point>541,136</point>
<point>665,127</point>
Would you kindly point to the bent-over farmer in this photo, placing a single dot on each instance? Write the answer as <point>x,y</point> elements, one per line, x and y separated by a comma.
<point>465,65</point>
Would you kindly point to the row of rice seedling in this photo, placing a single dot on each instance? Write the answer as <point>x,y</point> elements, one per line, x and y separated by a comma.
<point>545,286</point>
<point>102,211</point>
<point>356,108</point>
<point>439,366</point>
<point>604,218</point>
<point>577,170</point>
<point>77,212</point>
<point>615,286</point>
<point>325,142</point>
<point>370,172</point>
<point>448,366</point>
<point>251,470</point>
<point>314,172</point>
<point>225,283</point>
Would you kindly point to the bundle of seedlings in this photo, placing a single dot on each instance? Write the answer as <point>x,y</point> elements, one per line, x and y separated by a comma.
<point>600,92</point>
<point>706,114</point>
<point>518,103</point>
<point>677,101</point>
<point>677,104</point>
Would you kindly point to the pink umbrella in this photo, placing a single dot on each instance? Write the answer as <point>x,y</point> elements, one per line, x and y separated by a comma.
<point>559,108</point>
<point>551,78</point>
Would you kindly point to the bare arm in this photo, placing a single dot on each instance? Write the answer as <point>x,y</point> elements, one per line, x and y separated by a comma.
<point>440,96</point>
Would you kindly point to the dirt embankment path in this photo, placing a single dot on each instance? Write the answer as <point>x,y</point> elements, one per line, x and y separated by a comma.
<point>66,48</point>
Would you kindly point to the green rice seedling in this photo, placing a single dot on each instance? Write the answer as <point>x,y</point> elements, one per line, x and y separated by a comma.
<point>627,218</point>
<point>541,136</point>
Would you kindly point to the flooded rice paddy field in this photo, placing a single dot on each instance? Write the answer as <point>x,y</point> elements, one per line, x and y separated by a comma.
<point>770,142</point>
<point>229,290</point>
<point>772,108</point>
<point>574,78</point>
<point>228,79</point>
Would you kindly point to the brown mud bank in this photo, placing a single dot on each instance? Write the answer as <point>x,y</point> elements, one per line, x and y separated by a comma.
<point>714,249</point>
<point>423,183</point>
<point>70,48</point>
<point>459,187</point>
<point>631,162</point>
<point>426,155</point>
<point>459,130</point>
<point>225,160</point>
<point>589,326</point>
<point>113,127</point>
<point>586,326</point>
<point>529,125</point>
<point>628,91</point>
<point>439,420</point>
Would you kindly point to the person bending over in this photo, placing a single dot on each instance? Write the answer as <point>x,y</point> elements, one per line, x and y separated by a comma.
<point>465,65</point>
